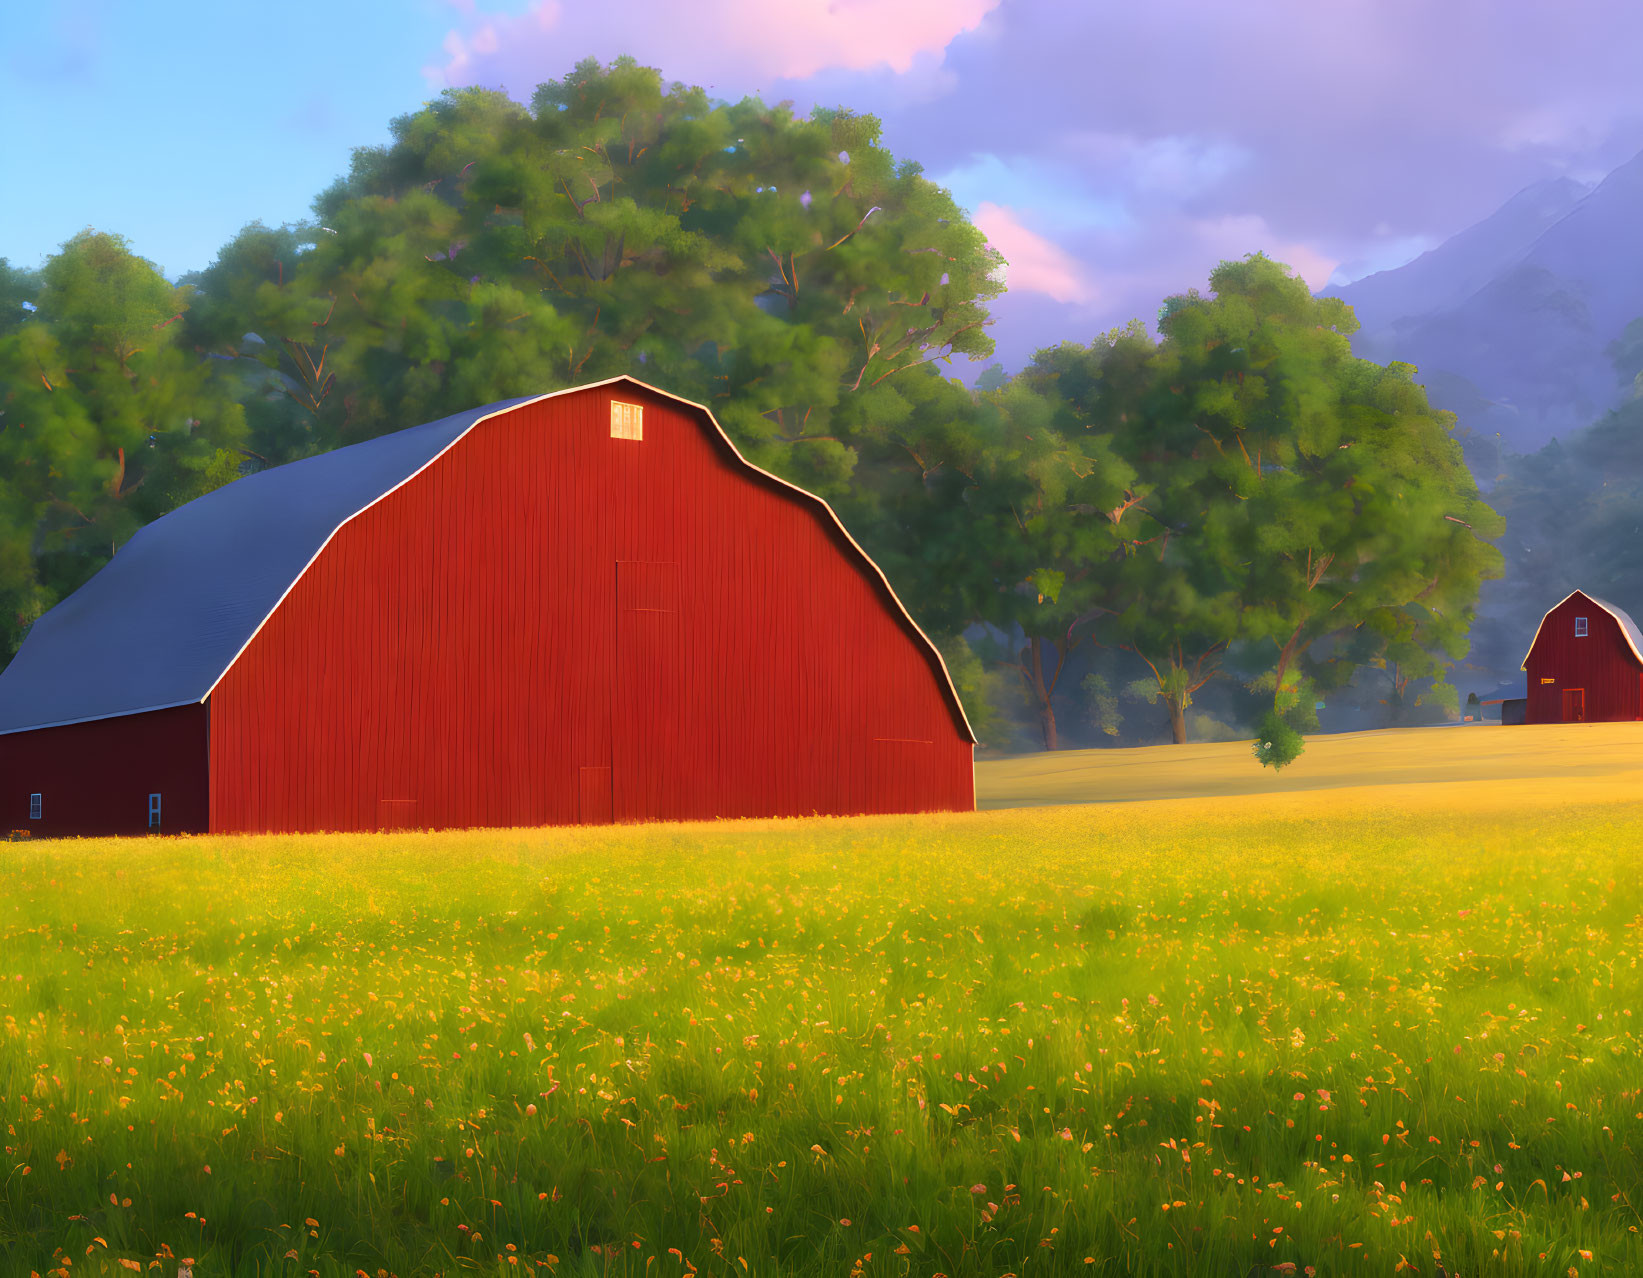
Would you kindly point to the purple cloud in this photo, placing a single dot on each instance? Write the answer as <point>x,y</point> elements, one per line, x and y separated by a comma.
<point>1115,154</point>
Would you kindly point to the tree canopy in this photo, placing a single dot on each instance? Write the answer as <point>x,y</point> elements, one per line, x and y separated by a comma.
<point>107,420</point>
<point>785,272</point>
<point>1240,493</point>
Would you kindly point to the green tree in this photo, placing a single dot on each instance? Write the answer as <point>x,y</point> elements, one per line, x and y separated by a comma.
<point>1172,599</point>
<point>108,422</point>
<point>976,689</point>
<point>1101,704</point>
<point>1352,495</point>
<point>18,289</point>
<point>1049,523</point>
<point>787,273</point>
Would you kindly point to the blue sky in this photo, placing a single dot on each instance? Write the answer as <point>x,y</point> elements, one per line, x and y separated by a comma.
<point>1113,152</point>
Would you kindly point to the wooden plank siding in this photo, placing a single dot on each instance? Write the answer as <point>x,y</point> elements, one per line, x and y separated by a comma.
<point>550,625</point>
<point>95,778</point>
<point>1600,664</point>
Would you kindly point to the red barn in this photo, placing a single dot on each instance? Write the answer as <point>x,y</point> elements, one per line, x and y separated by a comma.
<point>579,607</point>
<point>1585,664</point>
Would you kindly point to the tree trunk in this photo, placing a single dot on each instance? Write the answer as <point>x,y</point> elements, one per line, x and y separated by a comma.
<point>1178,722</point>
<point>1046,716</point>
<point>1046,709</point>
<point>1284,658</point>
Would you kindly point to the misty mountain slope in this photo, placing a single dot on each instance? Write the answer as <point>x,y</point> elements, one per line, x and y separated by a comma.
<point>1447,275</point>
<point>1574,520</point>
<point>1508,323</point>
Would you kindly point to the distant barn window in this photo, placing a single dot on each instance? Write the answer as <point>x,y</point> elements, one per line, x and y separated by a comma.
<point>1580,627</point>
<point>34,807</point>
<point>153,812</point>
<point>627,421</point>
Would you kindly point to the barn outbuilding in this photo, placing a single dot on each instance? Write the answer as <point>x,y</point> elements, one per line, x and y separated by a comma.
<point>1585,664</point>
<point>580,607</point>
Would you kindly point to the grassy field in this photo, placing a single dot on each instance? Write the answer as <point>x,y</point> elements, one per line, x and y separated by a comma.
<point>1610,754</point>
<point>1350,1029</point>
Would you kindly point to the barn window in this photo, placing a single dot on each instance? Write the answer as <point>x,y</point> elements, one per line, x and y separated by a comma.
<point>153,812</point>
<point>34,807</point>
<point>1580,627</point>
<point>627,421</point>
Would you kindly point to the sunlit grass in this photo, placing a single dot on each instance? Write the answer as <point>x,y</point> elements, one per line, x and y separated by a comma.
<point>1543,757</point>
<point>1160,1038</point>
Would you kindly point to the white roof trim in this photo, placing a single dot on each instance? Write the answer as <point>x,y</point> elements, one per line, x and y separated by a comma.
<point>941,663</point>
<point>1625,632</point>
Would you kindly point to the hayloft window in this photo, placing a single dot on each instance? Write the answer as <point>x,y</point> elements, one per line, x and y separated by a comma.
<point>34,807</point>
<point>1580,627</point>
<point>153,812</point>
<point>627,421</point>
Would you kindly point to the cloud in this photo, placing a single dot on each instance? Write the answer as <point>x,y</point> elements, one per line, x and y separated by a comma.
<point>1036,265</point>
<point>743,42</point>
<point>1174,164</point>
<point>1238,235</point>
<point>1062,198</point>
<point>1116,153</point>
<point>1385,254</point>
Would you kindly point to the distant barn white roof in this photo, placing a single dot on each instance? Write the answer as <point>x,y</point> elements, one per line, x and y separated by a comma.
<point>1628,627</point>
<point>167,617</point>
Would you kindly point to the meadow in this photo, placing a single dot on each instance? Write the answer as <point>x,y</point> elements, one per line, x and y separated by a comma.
<point>1354,1030</point>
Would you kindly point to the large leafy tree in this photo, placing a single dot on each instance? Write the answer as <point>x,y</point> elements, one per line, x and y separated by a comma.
<point>788,273</point>
<point>108,422</point>
<point>1353,497</point>
<point>1173,599</point>
<point>1050,514</point>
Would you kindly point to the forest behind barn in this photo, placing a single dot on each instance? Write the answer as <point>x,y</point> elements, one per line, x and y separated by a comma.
<point>1132,540</point>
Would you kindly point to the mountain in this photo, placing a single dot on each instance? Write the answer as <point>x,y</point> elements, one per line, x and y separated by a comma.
<point>1446,276</point>
<point>1509,322</point>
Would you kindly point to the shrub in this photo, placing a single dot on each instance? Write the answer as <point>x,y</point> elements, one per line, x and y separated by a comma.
<point>1278,743</point>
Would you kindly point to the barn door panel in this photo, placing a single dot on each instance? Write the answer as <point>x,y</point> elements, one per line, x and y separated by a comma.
<point>1574,705</point>
<point>647,742</point>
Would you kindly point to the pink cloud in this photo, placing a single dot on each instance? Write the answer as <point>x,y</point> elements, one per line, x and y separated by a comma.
<point>1036,265</point>
<point>742,41</point>
<point>1235,236</point>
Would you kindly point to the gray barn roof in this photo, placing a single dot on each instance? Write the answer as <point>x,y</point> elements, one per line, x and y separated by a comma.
<point>1634,636</point>
<point>170,613</point>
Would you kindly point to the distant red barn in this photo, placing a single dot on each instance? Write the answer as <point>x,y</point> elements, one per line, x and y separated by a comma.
<point>575,608</point>
<point>1585,664</point>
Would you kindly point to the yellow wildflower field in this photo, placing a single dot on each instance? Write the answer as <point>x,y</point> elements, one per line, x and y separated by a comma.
<point>1354,1030</point>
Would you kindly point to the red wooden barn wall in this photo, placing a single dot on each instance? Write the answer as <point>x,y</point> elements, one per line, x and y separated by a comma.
<point>1601,664</point>
<point>548,625</point>
<point>95,778</point>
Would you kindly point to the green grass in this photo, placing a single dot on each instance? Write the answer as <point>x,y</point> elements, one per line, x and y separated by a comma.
<point>1336,1029</point>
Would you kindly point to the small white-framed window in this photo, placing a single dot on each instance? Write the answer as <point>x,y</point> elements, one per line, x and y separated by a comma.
<point>1580,627</point>
<point>153,812</point>
<point>34,807</point>
<point>627,421</point>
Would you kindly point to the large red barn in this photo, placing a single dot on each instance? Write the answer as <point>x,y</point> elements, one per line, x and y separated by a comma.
<point>1585,664</point>
<point>574,608</point>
